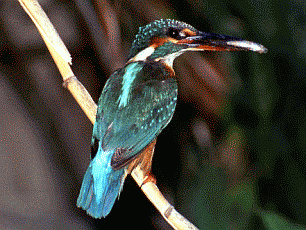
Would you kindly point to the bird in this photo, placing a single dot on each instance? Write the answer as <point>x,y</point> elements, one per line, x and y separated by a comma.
<point>137,103</point>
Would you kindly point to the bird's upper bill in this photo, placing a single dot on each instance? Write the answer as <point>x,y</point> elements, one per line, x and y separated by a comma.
<point>218,42</point>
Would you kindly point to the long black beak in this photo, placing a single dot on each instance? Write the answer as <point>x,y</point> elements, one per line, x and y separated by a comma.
<point>219,42</point>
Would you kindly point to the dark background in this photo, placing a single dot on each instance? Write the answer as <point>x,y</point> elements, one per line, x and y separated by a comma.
<point>233,157</point>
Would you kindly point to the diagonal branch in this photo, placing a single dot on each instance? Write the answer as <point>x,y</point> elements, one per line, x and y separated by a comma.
<point>62,59</point>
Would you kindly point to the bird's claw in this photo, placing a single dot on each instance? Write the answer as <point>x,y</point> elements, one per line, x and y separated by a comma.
<point>149,178</point>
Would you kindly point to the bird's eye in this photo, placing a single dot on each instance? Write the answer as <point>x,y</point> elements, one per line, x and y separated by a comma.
<point>174,33</point>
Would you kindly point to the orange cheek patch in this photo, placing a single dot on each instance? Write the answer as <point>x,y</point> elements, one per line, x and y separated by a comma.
<point>189,32</point>
<point>157,42</point>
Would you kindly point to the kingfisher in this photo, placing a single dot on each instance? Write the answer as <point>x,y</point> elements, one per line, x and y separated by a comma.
<point>137,103</point>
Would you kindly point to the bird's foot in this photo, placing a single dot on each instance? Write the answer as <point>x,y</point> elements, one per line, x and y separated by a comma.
<point>149,178</point>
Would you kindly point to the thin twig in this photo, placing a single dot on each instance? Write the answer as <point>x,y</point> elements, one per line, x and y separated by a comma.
<point>62,59</point>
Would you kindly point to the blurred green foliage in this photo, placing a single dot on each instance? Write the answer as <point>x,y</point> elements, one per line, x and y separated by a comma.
<point>268,108</point>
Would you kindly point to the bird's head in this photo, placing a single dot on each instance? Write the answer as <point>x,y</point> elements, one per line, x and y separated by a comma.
<point>165,39</point>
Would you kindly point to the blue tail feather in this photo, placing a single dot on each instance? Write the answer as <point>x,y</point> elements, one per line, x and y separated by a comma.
<point>101,186</point>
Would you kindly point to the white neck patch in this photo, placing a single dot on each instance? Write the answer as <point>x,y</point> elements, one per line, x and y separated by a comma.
<point>147,52</point>
<point>168,59</point>
<point>142,55</point>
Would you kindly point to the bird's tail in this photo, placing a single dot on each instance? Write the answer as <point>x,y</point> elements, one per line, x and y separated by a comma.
<point>100,188</point>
